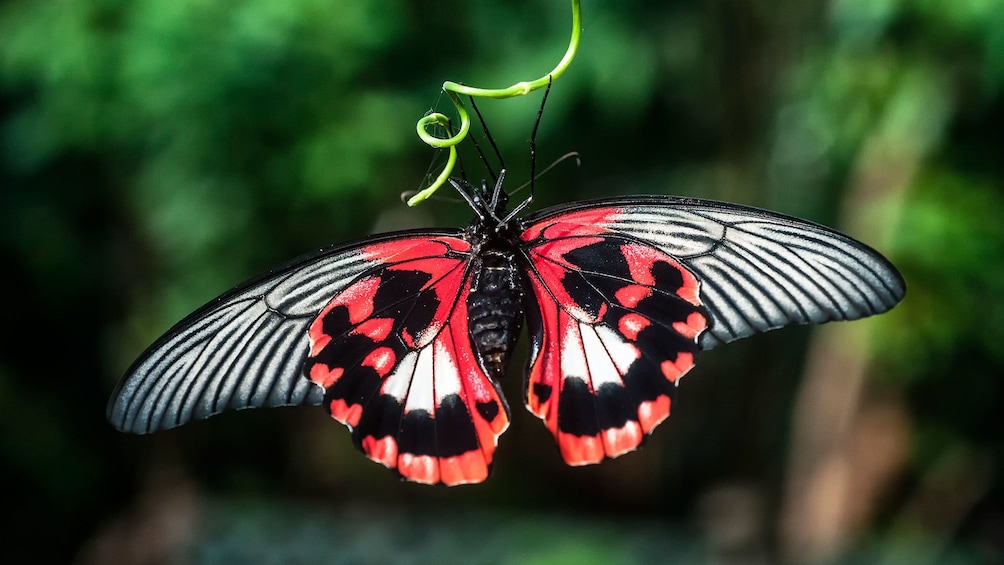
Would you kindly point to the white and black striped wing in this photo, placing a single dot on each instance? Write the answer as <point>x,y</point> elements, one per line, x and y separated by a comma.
<point>245,349</point>
<point>758,270</point>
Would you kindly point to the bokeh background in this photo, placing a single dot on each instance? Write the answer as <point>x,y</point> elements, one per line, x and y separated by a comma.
<point>154,153</point>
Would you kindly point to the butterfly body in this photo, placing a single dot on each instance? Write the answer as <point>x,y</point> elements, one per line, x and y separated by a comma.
<point>404,337</point>
<point>495,302</point>
<point>495,305</point>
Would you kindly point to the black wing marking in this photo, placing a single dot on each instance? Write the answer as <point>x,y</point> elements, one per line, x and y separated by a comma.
<point>758,270</point>
<point>244,349</point>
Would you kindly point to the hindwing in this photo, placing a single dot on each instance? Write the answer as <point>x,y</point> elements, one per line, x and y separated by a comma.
<point>393,354</point>
<point>614,326</point>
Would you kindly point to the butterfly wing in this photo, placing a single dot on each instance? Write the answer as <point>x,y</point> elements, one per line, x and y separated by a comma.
<point>761,270</point>
<point>394,355</point>
<point>253,346</point>
<point>244,349</point>
<point>630,289</point>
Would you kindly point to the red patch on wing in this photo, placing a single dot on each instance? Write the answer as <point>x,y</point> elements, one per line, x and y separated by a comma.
<point>325,376</point>
<point>690,291</point>
<point>381,359</point>
<point>466,468</point>
<point>618,441</point>
<point>397,250</point>
<point>344,412</point>
<point>584,222</point>
<point>376,329</point>
<point>470,467</point>
<point>545,369</point>
<point>580,450</point>
<point>695,324</point>
<point>357,299</point>
<point>407,338</point>
<point>673,370</point>
<point>642,258</point>
<point>631,324</point>
<point>652,413</point>
<point>418,468</point>
<point>631,295</point>
<point>383,450</point>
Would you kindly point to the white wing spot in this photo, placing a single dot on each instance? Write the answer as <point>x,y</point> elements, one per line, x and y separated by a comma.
<point>397,383</point>
<point>420,392</point>
<point>573,355</point>
<point>601,368</point>
<point>623,353</point>
<point>447,374</point>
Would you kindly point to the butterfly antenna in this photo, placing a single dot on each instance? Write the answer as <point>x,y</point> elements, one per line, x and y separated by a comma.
<point>533,154</point>
<point>570,155</point>
<point>460,186</point>
<point>491,141</point>
<point>533,136</point>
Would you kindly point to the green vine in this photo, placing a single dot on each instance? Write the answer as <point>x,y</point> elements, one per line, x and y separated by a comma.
<point>454,89</point>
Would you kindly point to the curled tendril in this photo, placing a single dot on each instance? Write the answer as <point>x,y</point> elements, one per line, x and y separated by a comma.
<point>454,89</point>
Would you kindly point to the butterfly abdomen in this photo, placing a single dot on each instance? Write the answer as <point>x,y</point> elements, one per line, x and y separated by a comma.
<point>495,308</point>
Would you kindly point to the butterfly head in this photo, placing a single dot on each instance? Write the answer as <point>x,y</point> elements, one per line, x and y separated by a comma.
<point>489,204</point>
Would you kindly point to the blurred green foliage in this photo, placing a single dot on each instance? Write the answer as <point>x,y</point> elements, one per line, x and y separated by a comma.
<point>155,152</point>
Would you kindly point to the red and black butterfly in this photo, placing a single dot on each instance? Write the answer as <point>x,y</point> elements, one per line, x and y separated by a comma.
<point>403,337</point>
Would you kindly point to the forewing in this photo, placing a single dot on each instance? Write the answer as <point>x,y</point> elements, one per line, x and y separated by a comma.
<point>613,325</point>
<point>394,356</point>
<point>758,270</point>
<point>246,348</point>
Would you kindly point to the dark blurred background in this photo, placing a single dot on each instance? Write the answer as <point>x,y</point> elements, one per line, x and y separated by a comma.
<point>154,153</point>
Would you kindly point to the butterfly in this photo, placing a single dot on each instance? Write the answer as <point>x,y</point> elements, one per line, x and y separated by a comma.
<point>404,337</point>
